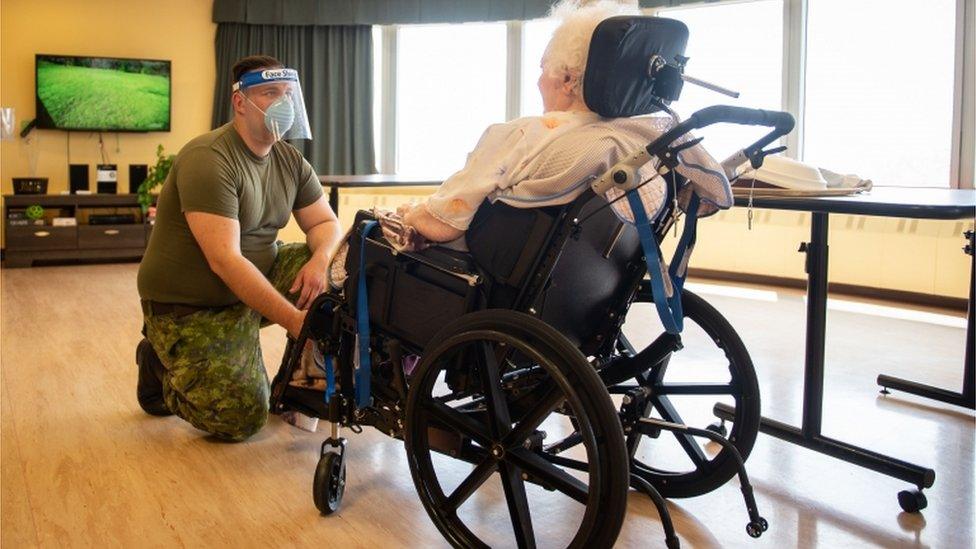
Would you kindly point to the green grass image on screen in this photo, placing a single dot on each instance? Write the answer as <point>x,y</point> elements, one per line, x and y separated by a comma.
<point>78,97</point>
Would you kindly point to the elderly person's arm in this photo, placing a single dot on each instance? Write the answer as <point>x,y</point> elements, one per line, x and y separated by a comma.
<point>432,228</point>
<point>446,214</point>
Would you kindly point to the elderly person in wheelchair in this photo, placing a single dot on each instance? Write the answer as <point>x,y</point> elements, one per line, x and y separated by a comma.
<point>519,336</point>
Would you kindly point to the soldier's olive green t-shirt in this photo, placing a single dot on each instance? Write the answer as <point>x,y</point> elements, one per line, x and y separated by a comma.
<point>216,173</point>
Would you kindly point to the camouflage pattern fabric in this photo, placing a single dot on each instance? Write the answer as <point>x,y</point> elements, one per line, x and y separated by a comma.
<point>215,376</point>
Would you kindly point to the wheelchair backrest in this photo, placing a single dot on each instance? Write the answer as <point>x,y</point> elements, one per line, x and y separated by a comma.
<point>594,278</point>
<point>578,277</point>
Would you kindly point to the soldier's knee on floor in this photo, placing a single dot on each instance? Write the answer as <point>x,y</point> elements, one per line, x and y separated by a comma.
<point>239,425</point>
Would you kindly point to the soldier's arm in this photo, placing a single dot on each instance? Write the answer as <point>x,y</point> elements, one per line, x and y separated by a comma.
<point>219,237</point>
<point>321,228</point>
<point>322,232</point>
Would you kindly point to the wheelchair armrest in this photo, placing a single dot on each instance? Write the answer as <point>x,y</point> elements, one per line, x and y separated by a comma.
<point>460,264</point>
<point>453,262</point>
<point>446,258</point>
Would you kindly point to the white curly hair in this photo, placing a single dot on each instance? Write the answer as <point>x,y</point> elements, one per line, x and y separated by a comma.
<point>570,43</point>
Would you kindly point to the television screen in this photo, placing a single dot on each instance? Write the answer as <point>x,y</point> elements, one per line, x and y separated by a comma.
<point>102,93</point>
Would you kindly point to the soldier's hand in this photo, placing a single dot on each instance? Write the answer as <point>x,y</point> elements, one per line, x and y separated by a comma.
<point>311,281</point>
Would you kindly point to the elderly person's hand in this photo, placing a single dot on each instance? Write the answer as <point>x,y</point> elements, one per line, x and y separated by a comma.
<point>311,280</point>
<point>403,209</point>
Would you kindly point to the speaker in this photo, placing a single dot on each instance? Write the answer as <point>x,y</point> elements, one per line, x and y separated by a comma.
<point>107,176</point>
<point>137,174</point>
<point>78,177</point>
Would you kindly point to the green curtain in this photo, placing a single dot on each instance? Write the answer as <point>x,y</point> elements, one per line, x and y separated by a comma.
<point>335,64</point>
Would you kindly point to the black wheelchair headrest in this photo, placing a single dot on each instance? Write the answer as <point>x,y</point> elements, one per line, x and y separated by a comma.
<point>618,80</point>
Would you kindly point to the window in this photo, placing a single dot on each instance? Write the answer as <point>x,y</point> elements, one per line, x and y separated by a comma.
<point>736,46</point>
<point>535,38</point>
<point>879,95</point>
<point>874,92</point>
<point>450,86</point>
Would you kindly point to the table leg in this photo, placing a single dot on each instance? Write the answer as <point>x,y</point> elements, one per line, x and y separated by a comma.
<point>334,199</point>
<point>809,435</point>
<point>966,398</point>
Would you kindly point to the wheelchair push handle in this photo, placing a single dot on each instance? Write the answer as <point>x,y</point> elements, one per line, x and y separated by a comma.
<point>623,175</point>
<point>781,122</point>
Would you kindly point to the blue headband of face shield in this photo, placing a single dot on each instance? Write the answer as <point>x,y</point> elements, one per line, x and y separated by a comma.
<point>265,76</point>
<point>286,117</point>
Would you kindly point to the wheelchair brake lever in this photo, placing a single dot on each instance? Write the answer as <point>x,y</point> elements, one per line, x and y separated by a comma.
<point>686,145</point>
<point>669,156</point>
<point>756,159</point>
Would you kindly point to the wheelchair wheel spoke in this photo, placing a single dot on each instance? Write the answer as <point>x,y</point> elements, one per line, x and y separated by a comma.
<point>518,505</point>
<point>459,422</point>
<point>498,416</point>
<point>687,442</point>
<point>547,473</point>
<point>571,441</point>
<point>470,484</point>
<point>695,389</point>
<point>551,398</point>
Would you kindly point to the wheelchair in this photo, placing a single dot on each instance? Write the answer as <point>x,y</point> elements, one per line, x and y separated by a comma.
<point>523,352</point>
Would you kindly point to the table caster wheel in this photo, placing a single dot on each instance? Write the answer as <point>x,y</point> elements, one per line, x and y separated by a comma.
<point>912,501</point>
<point>330,483</point>
<point>756,529</point>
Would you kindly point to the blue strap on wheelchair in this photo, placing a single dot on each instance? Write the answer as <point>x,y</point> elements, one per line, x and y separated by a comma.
<point>362,324</point>
<point>668,308</point>
<point>329,379</point>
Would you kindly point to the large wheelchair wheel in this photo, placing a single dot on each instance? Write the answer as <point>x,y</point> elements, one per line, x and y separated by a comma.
<point>488,390</point>
<point>713,366</point>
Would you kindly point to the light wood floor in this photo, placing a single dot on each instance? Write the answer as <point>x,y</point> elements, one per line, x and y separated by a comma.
<point>83,466</point>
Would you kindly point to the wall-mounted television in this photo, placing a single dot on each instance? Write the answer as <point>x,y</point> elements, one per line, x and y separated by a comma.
<point>103,93</point>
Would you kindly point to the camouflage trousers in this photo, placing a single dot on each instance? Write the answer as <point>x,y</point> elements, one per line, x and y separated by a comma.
<point>214,373</point>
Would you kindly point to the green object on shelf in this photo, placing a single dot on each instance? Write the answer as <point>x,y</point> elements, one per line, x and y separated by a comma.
<point>34,212</point>
<point>156,177</point>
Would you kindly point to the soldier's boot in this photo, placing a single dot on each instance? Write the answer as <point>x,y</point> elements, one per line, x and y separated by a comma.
<point>149,388</point>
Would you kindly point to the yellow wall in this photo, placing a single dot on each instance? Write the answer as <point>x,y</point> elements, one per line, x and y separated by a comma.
<point>177,30</point>
<point>911,255</point>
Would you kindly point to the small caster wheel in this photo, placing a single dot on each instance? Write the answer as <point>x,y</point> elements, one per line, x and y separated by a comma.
<point>912,501</point>
<point>718,428</point>
<point>764,524</point>
<point>330,483</point>
<point>755,529</point>
<point>672,543</point>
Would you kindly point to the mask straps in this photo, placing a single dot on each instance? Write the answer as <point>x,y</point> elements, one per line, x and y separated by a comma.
<point>275,129</point>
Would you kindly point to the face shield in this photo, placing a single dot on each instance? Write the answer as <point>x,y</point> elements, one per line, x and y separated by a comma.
<point>281,94</point>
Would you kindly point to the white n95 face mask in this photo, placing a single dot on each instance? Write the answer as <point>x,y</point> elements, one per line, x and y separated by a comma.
<point>279,117</point>
<point>286,117</point>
